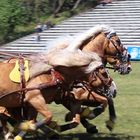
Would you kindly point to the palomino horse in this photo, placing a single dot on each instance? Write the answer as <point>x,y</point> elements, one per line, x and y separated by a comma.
<point>114,54</point>
<point>42,86</point>
<point>104,41</point>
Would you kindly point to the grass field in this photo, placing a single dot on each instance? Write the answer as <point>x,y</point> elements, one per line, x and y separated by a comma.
<point>127,105</point>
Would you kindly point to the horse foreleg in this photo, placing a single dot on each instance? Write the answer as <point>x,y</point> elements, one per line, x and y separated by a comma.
<point>36,99</point>
<point>97,110</point>
<point>89,99</point>
<point>90,128</point>
<point>6,132</point>
<point>74,106</point>
<point>112,115</point>
<point>91,114</point>
<point>111,108</point>
<point>85,112</point>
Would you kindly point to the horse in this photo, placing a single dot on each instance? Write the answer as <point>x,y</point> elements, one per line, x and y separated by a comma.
<point>120,61</point>
<point>103,40</point>
<point>100,39</point>
<point>34,92</point>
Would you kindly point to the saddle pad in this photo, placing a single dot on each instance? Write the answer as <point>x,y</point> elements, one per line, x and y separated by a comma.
<point>15,73</point>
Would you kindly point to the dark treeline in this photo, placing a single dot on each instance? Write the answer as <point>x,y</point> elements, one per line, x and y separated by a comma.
<point>15,13</point>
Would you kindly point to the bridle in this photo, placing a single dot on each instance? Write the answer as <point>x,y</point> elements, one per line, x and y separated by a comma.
<point>106,81</point>
<point>96,73</point>
<point>102,89</point>
<point>122,56</point>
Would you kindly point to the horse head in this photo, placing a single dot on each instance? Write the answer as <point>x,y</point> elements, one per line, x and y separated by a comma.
<point>104,41</point>
<point>101,82</point>
<point>116,54</point>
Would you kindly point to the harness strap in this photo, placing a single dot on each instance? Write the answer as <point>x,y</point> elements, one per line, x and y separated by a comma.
<point>8,54</point>
<point>21,69</point>
<point>103,79</point>
<point>55,81</point>
<point>22,84</point>
<point>22,77</point>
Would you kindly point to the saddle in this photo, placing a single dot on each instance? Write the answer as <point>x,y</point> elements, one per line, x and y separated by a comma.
<point>20,71</point>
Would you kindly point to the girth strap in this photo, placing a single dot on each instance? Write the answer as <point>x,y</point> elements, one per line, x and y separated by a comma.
<point>21,69</point>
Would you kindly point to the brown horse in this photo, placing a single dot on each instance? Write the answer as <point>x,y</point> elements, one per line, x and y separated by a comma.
<point>114,54</point>
<point>100,39</point>
<point>104,41</point>
<point>42,87</point>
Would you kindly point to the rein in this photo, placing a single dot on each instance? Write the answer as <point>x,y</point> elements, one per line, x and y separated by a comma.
<point>39,87</point>
<point>55,81</point>
<point>115,46</point>
<point>9,54</point>
<point>85,85</point>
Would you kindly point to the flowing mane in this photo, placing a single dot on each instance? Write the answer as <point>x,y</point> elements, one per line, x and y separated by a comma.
<point>74,42</point>
<point>77,42</point>
<point>46,61</point>
<point>67,52</point>
<point>43,62</point>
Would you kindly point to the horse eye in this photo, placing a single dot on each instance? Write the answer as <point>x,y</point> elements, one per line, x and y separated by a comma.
<point>118,42</point>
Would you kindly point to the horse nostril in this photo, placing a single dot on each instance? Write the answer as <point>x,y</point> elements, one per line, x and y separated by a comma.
<point>129,69</point>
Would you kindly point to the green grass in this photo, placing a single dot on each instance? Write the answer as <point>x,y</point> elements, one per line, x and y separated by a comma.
<point>127,104</point>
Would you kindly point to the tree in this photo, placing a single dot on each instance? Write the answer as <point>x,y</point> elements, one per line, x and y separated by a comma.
<point>76,4</point>
<point>58,7</point>
<point>10,16</point>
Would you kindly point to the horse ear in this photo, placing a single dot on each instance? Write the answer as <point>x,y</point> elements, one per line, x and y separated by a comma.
<point>107,35</point>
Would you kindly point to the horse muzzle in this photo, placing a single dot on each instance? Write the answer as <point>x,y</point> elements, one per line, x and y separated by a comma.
<point>124,69</point>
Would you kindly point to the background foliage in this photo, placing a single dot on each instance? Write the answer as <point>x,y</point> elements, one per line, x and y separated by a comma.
<point>19,17</point>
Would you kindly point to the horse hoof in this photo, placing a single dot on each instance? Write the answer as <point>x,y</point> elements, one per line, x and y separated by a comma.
<point>18,138</point>
<point>24,126</point>
<point>110,125</point>
<point>54,137</point>
<point>92,130</point>
<point>27,125</point>
<point>68,117</point>
<point>9,136</point>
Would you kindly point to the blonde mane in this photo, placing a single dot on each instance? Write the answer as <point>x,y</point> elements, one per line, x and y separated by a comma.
<point>69,59</point>
<point>78,41</point>
<point>74,42</point>
<point>67,52</point>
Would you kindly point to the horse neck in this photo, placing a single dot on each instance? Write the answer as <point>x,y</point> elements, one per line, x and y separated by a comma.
<point>97,45</point>
<point>71,74</point>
